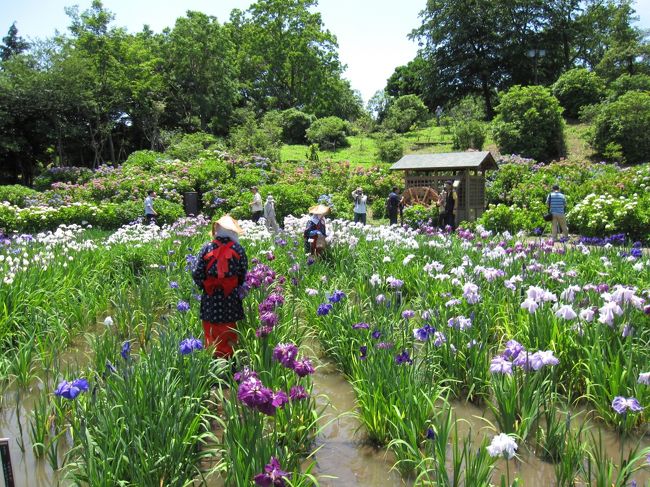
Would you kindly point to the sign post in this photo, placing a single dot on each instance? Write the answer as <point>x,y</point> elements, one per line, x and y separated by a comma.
<point>7,470</point>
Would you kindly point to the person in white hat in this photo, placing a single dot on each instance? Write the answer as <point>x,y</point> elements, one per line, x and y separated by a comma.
<point>220,269</point>
<point>315,227</point>
<point>269,215</point>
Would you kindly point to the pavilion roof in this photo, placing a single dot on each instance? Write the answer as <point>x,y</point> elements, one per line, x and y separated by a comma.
<point>446,161</point>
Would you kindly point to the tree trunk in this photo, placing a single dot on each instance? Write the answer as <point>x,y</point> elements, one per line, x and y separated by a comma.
<point>485,87</point>
<point>111,147</point>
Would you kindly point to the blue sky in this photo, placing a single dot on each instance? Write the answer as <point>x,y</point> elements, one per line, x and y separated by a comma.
<point>371,33</point>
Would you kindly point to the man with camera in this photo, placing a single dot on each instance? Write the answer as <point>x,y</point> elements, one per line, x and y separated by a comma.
<point>360,201</point>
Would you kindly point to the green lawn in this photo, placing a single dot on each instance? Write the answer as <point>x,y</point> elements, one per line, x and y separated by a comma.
<point>363,149</point>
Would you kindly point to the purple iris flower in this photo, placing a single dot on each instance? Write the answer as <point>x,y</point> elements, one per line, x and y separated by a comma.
<point>269,318</point>
<point>273,475</point>
<point>384,345</point>
<point>336,296</point>
<point>70,390</point>
<point>189,345</point>
<point>361,326</point>
<point>324,309</point>
<point>253,393</point>
<point>173,285</point>
<point>500,365</point>
<point>622,404</point>
<point>285,353</point>
<point>303,367</point>
<point>363,350</point>
<point>183,306</point>
<point>263,331</point>
<point>431,434</point>
<point>244,374</point>
<point>126,350</point>
<point>376,335</point>
<point>513,349</point>
<point>407,314</point>
<point>403,358</point>
<point>298,393</point>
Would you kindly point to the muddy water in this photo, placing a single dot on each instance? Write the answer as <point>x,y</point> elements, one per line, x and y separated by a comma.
<point>343,453</point>
<point>343,457</point>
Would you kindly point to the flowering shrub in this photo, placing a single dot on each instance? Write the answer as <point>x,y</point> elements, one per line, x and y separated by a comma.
<point>606,214</point>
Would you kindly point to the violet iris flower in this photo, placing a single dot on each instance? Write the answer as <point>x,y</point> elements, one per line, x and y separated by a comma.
<point>189,345</point>
<point>303,367</point>
<point>499,365</point>
<point>324,309</point>
<point>269,318</point>
<point>126,350</point>
<point>298,393</point>
<point>337,296</point>
<point>183,306</point>
<point>621,405</point>
<point>403,358</point>
<point>70,390</point>
<point>285,353</point>
<point>273,475</point>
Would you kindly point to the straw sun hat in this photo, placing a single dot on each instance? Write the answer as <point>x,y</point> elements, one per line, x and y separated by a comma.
<point>229,223</point>
<point>319,210</point>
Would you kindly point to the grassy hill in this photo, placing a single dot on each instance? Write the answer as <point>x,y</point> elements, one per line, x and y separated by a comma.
<point>363,148</point>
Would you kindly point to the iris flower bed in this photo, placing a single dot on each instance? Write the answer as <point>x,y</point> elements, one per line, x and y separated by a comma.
<point>550,341</point>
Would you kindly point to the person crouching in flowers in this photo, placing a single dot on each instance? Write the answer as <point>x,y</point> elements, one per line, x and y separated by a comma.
<point>316,231</point>
<point>219,270</point>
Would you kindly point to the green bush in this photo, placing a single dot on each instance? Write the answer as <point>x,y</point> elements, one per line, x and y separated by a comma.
<point>390,148</point>
<point>189,146</point>
<point>329,133</point>
<point>378,209</point>
<point>577,88</point>
<point>501,218</point>
<point>261,139</point>
<point>625,122</point>
<point>529,122</point>
<point>469,135</point>
<point>629,82</point>
<point>73,175</point>
<point>206,174</point>
<point>144,159</point>
<point>415,215</point>
<point>291,199</point>
<point>294,126</point>
<point>17,195</point>
<point>404,113</point>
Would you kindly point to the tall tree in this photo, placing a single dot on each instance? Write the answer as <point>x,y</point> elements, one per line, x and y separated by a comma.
<point>200,71</point>
<point>13,44</point>
<point>287,57</point>
<point>464,39</point>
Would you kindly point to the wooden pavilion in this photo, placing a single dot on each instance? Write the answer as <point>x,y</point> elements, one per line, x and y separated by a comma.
<point>428,172</point>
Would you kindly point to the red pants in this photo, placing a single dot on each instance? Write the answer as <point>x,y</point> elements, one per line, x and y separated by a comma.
<point>222,335</point>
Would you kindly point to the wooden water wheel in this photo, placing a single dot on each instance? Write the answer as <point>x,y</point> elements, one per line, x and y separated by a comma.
<point>422,195</point>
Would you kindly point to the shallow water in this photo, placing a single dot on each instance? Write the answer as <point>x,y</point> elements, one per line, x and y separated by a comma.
<point>343,453</point>
<point>342,457</point>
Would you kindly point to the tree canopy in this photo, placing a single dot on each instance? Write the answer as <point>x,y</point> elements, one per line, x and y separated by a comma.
<point>97,93</point>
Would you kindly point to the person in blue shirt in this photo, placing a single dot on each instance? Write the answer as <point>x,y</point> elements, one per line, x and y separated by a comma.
<point>149,213</point>
<point>556,202</point>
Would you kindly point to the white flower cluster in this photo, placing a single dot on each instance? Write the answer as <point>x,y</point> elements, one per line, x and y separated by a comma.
<point>42,250</point>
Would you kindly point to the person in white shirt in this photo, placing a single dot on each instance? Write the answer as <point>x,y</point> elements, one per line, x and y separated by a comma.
<point>256,205</point>
<point>269,215</point>
<point>149,213</point>
<point>360,201</point>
